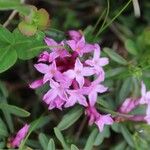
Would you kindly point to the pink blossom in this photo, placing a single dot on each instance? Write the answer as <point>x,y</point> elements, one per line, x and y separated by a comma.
<point>36,84</point>
<point>128,105</point>
<point>57,51</point>
<point>75,96</point>
<point>20,136</point>
<point>80,46</point>
<point>56,91</point>
<point>103,120</point>
<point>93,90</point>
<point>49,71</point>
<point>79,72</point>
<point>98,119</point>
<point>56,103</point>
<point>97,62</point>
<point>74,35</point>
<point>145,99</point>
<point>44,57</point>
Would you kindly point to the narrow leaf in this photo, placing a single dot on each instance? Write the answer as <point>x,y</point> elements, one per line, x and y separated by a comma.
<point>14,110</point>
<point>91,140</point>
<point>43,141</point>
<point>51,145</point>
<point>60,138</point>
<point>70,118</point>
<point>73,147</point>
<point>115,57</point>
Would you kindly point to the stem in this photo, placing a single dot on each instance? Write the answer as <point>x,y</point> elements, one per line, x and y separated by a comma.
<point>99,19</point>
<point>112,20</point>
<point>108,7</point>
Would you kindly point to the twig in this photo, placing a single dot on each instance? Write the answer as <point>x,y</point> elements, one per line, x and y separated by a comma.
<point>12,15</point>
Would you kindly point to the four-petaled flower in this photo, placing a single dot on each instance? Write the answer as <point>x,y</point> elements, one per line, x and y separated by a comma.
<point>79,72</point>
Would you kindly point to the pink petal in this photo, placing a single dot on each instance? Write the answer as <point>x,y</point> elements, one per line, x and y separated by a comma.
<point>87,71</point>
<point>43,68</point>
<point>47,77</point>
<point>143,89</point>
<point>49,96</point>
<point>53,56</point>
<point>74,35</point>
<point>72,44</point>
<point>103,61</point>
<point>36,84</point>
<point>101,88</point>
<point>96,52</point>
<point>70,74</point>
<point>71,101</point>
<point>80,80</point>
<point>50,42</point>
<point>82,100</point>
<point>92,98</point>
<point>89,62</point>
<point>78,65</point>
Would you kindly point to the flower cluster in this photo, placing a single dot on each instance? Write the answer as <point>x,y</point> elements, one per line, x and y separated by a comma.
<point>74,71</point>
<point>131,103</point>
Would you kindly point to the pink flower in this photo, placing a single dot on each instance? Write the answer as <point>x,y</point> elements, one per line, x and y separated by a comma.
<point>57,51</point>
<point>128,105</point>
<point>20,136</point>
<point>44,57</point>
<point>103,120</point>
<point>56,103</point>
<point>49,71</point>
<point>75,96</point>
<point>97,62</point>
<point>93,90</point>
<point>36,84</point>
<point>80,46</point>
<point>74,35</point>
<point>145,99</point>
<point>98,119</point>
<point>79,72</point>
<point>56,91</point>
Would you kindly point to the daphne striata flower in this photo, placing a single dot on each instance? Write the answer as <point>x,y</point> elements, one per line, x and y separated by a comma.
<point>43,57</point>
<point>36,84</point>
<point>145,98</point>
<point>57,49</point>
<point>80,46</point>
<point>74,35</point>
<point>93,90</point>
<point>75,96</point>
<point>97,62</point>
<point>79,72</point>
<point>16,141</point>
<point>128,105</point>
<point>97,118</point>
<point>49,71</point>
<point>56,91</point>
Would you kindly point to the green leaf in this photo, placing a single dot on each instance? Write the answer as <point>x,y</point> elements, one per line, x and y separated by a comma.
<point>115,57</point>
<point>70,118</point>
<point>125,89</point>
<point>91,139</point>
<point>61,138</point>
<point>51,145</point>
<point>28,47</point>
<point>14,110</point>
<point>43,141</point>
<point>8,58</point>
<point>14,4</point>
<point>127,135</point>
<point>131,47</point>
<point>2,145</point>
<point>114,72</point>
<point>41,122</point>
<point>3,128</point>
<point>120,146</point>
<point>7,116</point>
<point>100,137</point>
<point>73,147</point>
